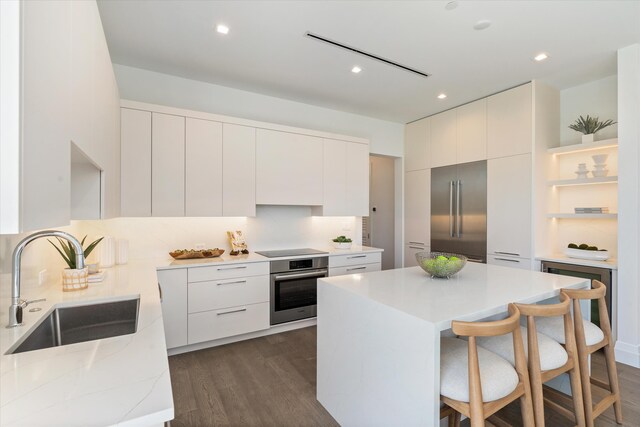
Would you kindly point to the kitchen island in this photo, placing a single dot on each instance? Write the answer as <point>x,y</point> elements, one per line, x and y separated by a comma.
<point>379,335</point>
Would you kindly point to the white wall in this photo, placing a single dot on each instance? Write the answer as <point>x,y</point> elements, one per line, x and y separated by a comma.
<point>628,344</point>
<point>598,98</point>
<point>136,84</point>
<point>273,227</point>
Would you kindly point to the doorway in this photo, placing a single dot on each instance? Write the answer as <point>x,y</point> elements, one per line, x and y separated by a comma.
<point>378,229</point>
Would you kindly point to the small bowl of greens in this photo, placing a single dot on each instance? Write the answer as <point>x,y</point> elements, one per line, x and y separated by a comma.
<point>342,242</point>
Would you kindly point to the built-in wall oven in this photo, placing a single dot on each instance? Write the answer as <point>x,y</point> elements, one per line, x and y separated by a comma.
<point>294,276</point>
<point>592,273</point>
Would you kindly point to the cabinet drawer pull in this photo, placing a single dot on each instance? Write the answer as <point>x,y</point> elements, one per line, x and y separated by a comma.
<point>506,259</point>
<point>231,283</point>
<point>416,247</point>
<point>507,253</point>
<point>232,268</point>
<point>356,256</point>
<point>417,243</point>
<point>356,268</point>
<point>220,313</point>
<point>160,291</point>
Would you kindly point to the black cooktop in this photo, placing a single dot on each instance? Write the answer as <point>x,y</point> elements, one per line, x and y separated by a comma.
<point>291,252</point>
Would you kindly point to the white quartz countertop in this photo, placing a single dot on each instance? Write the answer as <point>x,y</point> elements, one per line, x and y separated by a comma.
<point>476,292</point>
<point>254,257</point>
<point>611,263</point>
<point>121,380</point>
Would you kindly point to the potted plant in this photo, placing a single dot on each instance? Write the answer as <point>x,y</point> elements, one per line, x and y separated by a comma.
<point>342,242</point>
<point>72,278</point>
<point>589,126</point>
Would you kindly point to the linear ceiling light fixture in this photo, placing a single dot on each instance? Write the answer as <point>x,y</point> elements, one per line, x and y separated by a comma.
<point>368,55</point>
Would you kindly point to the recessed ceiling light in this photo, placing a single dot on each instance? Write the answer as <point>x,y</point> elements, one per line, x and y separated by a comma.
<point>222,29</point>
<point>541,57</point>
<point>442,96</point>
<point>356,69</point>
<point>482,24</point>
<point>451,5</point>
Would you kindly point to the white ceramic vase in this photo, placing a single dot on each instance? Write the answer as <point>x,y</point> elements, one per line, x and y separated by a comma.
<point>587,138</point>
<point>74,279</point>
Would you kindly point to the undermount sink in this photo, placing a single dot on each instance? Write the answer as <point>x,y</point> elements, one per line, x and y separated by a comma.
<point>80,323</point>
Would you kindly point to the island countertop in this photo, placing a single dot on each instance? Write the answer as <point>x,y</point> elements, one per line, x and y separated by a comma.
<point>478,291</point>
<point>378,356</point>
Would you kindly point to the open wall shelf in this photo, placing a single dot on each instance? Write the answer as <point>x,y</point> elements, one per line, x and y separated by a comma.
<point>585,181</point>
<point>575,148</point>
<point>582,216</point>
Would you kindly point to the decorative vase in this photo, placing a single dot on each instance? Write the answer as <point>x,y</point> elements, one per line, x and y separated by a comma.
<point>74,279</point>
<point>587,138</point>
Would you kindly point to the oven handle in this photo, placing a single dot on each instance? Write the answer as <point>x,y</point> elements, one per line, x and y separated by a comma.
<point>314,273</point>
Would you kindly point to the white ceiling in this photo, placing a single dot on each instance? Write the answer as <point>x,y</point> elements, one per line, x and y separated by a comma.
<point>266,51</point>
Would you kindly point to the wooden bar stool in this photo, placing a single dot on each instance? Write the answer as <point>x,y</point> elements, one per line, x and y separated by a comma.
<point>546,358</point>
<point>589,339</point>
<point>476,382</point>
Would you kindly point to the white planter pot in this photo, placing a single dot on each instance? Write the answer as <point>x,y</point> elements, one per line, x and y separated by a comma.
<point>342,245</point>
<point>74,279</point>
<point>587,138</point>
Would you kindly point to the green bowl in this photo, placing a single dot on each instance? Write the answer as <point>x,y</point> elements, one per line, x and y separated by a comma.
<point>441,264</point>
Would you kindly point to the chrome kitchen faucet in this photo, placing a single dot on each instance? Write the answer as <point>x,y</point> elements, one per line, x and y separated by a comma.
<point>17,305</point>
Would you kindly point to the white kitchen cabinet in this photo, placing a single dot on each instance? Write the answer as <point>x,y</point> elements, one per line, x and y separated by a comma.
<point>288,168</point>
<point>228,271</point>
<point>443,139</point>
<point>355,259</point>
<point>354,269</point>
<point>203,168</point>
<point>410,252</point>
<point>357,179</point>
<point>227,322</point>
<point>173,288</point>
<point>224,293</point>
<point>509,261</point>
<point>167,165</point>
<point>238,170</point>
<point>471,132</point>
<point>509,122</point>
<point>135,167</point>
<point>509,213</point>
<point>417,208</point>
<point>345,178</point>
<point>417,145</point>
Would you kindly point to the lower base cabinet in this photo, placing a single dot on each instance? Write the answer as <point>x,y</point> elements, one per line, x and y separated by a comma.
<point>227,322</point>
<point>173,295</point>
<point>410,252</point>
<point>509,261</point>
<point>354,269</point>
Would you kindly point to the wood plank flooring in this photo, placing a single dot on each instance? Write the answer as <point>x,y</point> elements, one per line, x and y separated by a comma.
<point>271,381</point>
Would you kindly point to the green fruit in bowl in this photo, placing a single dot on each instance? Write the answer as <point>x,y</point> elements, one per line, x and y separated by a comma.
<point>442,258</point>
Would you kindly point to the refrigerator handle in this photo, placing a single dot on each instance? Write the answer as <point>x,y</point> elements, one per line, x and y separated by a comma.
<point>451,208</point>
<point>458,224</point>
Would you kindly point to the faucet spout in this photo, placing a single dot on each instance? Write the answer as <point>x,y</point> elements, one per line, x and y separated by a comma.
<point>17,305</point>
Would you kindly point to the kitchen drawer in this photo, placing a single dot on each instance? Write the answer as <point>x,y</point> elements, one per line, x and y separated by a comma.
<point>227,322</point>
<point>216,294</point>
<point>227,271</point>
<point>509,261</point>
<point>354,269</point>
<point>354,259</point>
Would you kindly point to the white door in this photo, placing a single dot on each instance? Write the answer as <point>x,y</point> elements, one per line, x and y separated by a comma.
<point>357,179</point>
<point>203,173</point>
<point>443,139</point>
<point>471,132</point>
<point>239,170</point>
<point>167,165</point>
<point>417,208</point>
<point>416,145</point>
<point>509,122</point>
<point>335,167</point>
<point>135,166</point>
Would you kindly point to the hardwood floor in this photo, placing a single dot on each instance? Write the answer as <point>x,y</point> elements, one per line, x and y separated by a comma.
<point>271,381</point>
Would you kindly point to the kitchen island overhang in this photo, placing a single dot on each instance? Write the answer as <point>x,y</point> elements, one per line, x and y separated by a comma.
<point>379,335</point>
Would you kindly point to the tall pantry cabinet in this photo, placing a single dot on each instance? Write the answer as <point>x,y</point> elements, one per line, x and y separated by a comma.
<point>511,130</point>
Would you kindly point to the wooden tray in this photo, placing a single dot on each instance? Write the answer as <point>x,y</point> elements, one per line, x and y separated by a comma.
<point>192,254</point>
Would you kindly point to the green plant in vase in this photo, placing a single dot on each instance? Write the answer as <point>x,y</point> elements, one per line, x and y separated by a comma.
<point>68,253</point>
<point>588,126</point>
<point>72,278</point>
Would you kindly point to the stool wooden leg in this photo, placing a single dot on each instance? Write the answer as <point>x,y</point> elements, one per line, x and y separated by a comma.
<point>576,393</point>
<point>454,419</point>
<point>583,364</point>
<point>613,380</point>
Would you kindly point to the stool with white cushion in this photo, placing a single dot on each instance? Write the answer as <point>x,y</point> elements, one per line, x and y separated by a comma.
<point>476,382</point>
<point>546,358</point>
<point>589,339</point>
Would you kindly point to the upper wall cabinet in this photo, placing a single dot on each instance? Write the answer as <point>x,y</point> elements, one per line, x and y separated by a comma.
<point>203,168</point>
<point>288,169</point>
<point>471,132</point>
<point>167,165</point>
<point>239,170</point>
<point>417,145</point>
<point>135,139</point>
<point>509,122</point>
<point>443,139</point>
<point>54,94</point>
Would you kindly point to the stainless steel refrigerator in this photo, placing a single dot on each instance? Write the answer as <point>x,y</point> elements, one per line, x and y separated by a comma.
<point>459,210</point>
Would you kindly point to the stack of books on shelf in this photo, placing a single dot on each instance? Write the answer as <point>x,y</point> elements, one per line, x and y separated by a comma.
<point>593,210</point>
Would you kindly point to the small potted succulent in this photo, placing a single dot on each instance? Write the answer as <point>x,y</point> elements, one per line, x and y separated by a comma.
<point>588,126</point>
<point>72,278</point>
<point>342,242</point>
